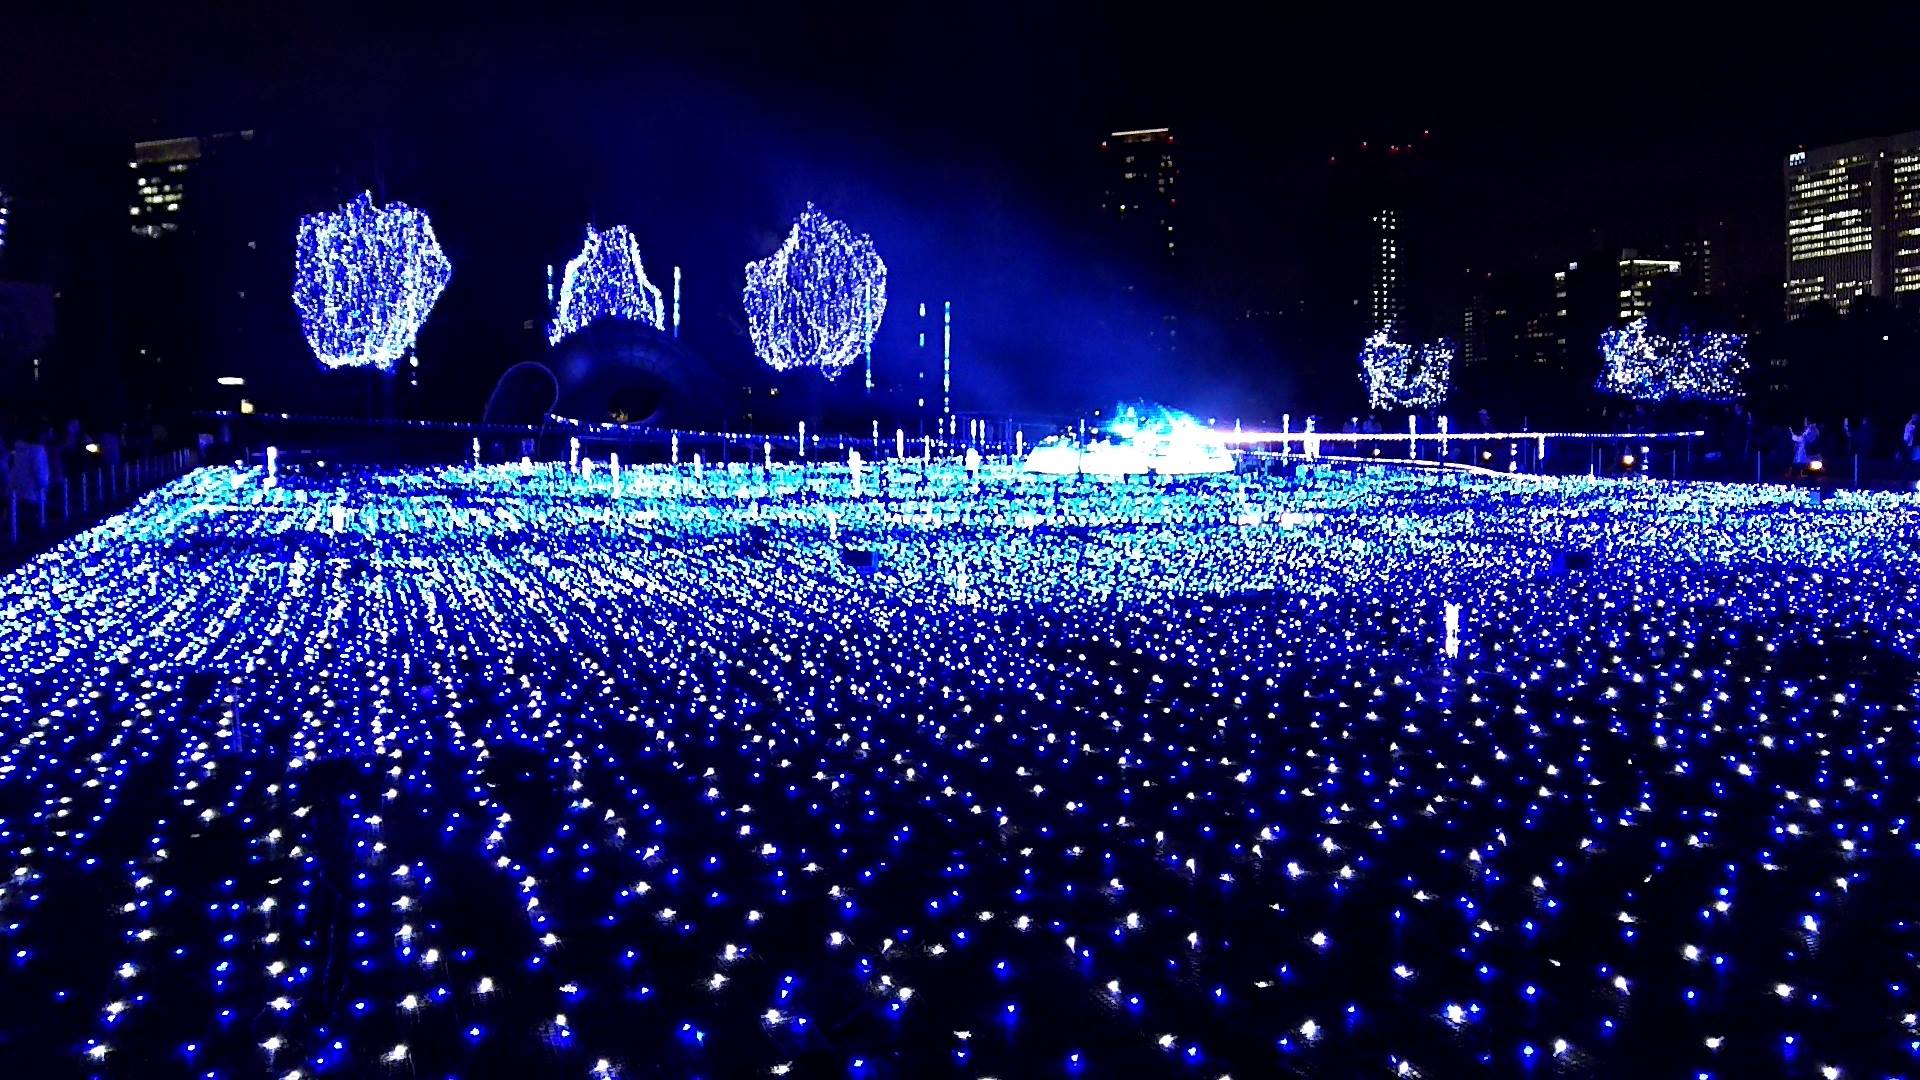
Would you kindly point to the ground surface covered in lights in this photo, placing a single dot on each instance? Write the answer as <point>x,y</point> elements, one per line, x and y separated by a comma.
<point>519,773</point>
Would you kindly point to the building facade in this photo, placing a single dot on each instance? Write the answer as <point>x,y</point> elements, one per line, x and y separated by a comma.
<point>1140,207</point>
<point>164,169</point>
<point>190,296</point>
<point>1387,306</point>
<point>1853,223</point>
<point>1640,278</point>
<point>1141,188</point>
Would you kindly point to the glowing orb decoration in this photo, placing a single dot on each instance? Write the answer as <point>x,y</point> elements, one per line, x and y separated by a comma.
<point>606,280</point>
<point>365,278</point>
<point>1140,439</point>
<point>1640,363</point>
<point>819,299</point>
<point>1403,376</point>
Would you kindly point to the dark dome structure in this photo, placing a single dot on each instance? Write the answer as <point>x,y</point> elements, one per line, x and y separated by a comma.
<point>614,371</point>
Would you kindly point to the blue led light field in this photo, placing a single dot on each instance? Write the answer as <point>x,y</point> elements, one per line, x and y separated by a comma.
<point>534,771</point>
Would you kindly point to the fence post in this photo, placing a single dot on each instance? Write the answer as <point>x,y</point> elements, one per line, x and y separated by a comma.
<point>66,500</point>
<point>1856,472</point>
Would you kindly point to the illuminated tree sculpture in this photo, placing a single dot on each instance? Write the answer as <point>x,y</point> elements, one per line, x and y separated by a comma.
<point>365,278</point>
<point>606,280</point>
<point>818,300</point>
<point>1403,376</point>
<point>1638,363</point>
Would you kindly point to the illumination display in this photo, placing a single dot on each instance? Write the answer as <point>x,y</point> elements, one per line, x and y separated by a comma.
<point>365,278</point>
<point>1639,363</point>
<point>819,299</point>
<point>540,771</point>
<point>1402,376</point>
<point>1141,438</point>
<point>607,280</point>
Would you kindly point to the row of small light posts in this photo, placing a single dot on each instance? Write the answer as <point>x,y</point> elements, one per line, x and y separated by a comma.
<point>97,486</point>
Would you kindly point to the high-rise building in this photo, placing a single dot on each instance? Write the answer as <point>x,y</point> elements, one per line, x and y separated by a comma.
<point>163,171</point>
<point>1141,187</point>
<point>1510,320</point>
<point>6,213</point>
<point>1140,198</point>
<point>1639,276</point>
<point>1704,262</point>
<point>1374,246</point>
<point>193,298</point>
<point>1388,303</point>
<point>1853,222</point>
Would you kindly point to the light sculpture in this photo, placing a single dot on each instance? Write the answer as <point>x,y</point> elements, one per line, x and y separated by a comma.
<point>1399,375</point>
<point>607,280</point>
<point>1640,363</point>
<point>818,300</point>
<point>365,279</point>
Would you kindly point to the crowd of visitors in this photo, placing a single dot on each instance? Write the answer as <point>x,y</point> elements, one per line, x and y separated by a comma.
<point>38,458</point>
<point>1813,445</point>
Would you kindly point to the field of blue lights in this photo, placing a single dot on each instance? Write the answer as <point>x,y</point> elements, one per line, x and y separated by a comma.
<point>517,771</point>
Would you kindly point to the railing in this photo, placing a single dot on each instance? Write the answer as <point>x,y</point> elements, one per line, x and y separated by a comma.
<point>36,517</point>
<point>1665,455</point>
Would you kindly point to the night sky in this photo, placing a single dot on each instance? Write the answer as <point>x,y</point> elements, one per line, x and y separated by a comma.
<point>963,138</point>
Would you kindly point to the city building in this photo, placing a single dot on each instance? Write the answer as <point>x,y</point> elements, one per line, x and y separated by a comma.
<point>1141,187</point>
<point>1853,223</point>
<point>1705,261</point>
<point>1549,322</point>
<point>1387,302</point>
<point>1140,203</point>
<point>191,302</point>
<point>1512,321</point>
<point>163,170</point>
<point>6,214</point>
<point>1639,278</point>
<point>1375,253</point>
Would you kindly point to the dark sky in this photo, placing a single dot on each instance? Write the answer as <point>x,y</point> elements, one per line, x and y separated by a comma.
<point>1593,113</point>
<point>971,126</point>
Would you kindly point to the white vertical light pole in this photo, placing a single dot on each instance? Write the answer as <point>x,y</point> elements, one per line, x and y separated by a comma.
<point>676,303</point>
<point>920,375</point>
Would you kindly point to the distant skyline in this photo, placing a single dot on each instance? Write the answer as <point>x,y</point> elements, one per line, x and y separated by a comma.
<point>1561,140</point>
<point>962,140</point>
